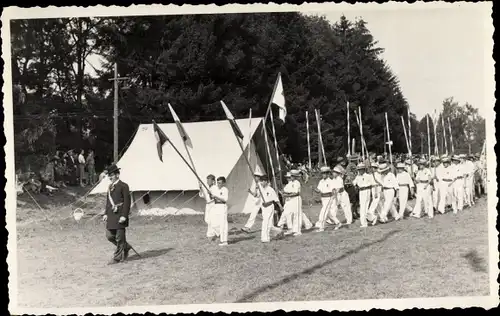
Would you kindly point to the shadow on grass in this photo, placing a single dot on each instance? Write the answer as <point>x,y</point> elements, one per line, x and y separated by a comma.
<point>240,239</point>
<point>475,261</point>
<point>149,254</point>
<point>252,295</point>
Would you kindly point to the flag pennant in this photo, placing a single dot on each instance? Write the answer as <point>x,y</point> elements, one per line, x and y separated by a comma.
<point>279,98</point>
<point>231,120</point>
<point>161,140</point>
<point>185,137</point>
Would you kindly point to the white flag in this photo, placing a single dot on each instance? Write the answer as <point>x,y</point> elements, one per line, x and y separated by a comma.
<point>279,98</point>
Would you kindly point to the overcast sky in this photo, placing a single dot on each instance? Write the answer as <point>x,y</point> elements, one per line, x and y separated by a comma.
<point>436,53</point>
<point>437,50</point>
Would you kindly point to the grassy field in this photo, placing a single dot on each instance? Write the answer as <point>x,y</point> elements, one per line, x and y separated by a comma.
<point>64,264</point>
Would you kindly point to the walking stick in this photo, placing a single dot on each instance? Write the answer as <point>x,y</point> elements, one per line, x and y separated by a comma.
<point>138,255</point>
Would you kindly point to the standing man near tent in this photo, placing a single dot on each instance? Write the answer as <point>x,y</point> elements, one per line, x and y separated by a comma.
<point>211,222</point>
<point>298,216</point>
<point>220,195</point>
<point>256,207</point>
<point>116,215</point>
<point>290,194</point>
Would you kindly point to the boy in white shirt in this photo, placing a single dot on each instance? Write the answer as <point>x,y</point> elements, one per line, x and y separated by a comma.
<point>390,188</point>
<point>445,176</point>
<point>405,188</point>
<point>376,193</point>
<point>364,183</point>
<point>220,195</point>
<point>268,197</point>
<point>458,185</point>
<point>256,207</point>
<point>423,180</point>
<point>211,222</point>
<point>291,195</point>
<point>325,189</point>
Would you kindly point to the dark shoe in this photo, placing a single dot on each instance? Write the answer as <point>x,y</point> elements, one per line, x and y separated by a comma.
<point>113,261</point>
<point>125,254</point>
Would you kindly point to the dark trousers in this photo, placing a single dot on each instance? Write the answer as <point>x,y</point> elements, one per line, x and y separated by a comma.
<point>117,237</point>
<point>354,199</point>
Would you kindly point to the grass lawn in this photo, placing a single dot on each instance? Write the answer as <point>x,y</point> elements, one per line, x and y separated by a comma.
<point>64,263</point>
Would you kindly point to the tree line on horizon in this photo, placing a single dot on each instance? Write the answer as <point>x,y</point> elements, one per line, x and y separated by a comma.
<point>193,62</point>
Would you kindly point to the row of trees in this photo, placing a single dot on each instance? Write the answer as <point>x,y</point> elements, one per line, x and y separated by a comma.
<point>193,61</point>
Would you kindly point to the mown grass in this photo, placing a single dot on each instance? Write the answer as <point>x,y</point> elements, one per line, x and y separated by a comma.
<point>63,263</point>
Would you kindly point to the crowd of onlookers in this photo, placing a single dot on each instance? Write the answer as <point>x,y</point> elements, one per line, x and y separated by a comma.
<point>71,168</point>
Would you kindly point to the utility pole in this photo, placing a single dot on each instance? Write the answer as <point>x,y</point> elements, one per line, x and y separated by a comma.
<point>115,113</point>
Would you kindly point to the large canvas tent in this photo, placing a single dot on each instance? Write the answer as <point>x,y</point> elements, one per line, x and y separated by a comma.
<point>171,184</point>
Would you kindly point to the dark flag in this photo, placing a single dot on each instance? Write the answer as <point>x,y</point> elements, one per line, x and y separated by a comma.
<point>233,123</point>
<point>161,140</point>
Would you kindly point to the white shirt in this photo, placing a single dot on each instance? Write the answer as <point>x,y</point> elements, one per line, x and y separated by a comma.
<point>390,181</point>
<point>269,195</point>
<point>81,159</point>
<point>443,172</point>
<point>405,179</point>
<point>292,187</point>
<point>363,181</point>
<point>221,193</point>
<point>325,185</point>
<point>337,183</point>
<point>423,175</point>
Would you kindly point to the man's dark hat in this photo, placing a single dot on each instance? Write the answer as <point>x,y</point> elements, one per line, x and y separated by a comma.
<point>113,169</point>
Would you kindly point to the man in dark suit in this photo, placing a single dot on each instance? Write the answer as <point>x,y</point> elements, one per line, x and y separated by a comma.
<point>116,214</point>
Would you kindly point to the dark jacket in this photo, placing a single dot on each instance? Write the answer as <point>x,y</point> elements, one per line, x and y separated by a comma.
<point>120,195</point>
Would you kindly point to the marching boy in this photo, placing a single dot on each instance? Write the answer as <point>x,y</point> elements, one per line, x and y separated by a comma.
<point>211,228</point>
<point>220,195</point>
<point>406,186</point>
<point>267,196</point>
<point>364,183</point>
<point>424,191</point>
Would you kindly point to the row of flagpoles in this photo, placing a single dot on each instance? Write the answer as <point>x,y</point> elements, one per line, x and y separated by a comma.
<point>278,98</point>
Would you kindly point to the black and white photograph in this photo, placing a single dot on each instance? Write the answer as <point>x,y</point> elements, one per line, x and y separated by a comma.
<point>263,157</point>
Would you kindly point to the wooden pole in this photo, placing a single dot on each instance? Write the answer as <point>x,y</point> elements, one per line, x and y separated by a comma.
<point>406,136</point>
<point>269,154</point>
<point>451,137</point>
<point>434,123</point>
<point>249,134</point>
<point>444,135</point>
<point>276,151</point>
<point>428,138</point>
<point>389,142</point>
<point>363,145</point>
<point>320,138</point>
<point>348,132</point>
<point>308,140</point>
<point>115,116</point>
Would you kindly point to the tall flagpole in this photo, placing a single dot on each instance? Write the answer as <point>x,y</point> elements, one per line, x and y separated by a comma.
<point>409,132</point>
<point>428,138</point>
<point>308,141</point>
<point>363,145</point>
<point>444,135</point>
<point>406,136</point>
<point>250,134</point>
<point>276,150</point>
<point>451,137</point>
<point>389,142</point>
<point>348,132</point>
<point>269,154</point>
<point>434,125</point>
<point>320,138</point>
